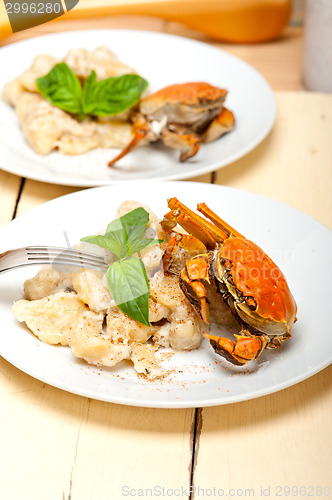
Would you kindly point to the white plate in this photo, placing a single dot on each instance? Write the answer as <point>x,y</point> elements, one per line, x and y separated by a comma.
<point>162,60</point>
<point>300,246</point>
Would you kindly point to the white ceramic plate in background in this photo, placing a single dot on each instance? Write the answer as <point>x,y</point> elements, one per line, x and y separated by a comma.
<point>162,60</point>
<point>198,378</point>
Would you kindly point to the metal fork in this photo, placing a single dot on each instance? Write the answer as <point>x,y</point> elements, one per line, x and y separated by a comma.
<point>57,256</point>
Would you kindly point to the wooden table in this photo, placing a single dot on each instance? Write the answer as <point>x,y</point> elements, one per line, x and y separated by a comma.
<point>59,446</point>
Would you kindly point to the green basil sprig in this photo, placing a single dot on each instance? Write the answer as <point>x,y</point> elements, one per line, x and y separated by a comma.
<point>126,278</point>
<point>62,88</point>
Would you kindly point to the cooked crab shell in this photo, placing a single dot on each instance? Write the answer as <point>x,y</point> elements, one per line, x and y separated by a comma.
<point>189,104</point>
<point>260,300</point>
<point>182,116</point>
<point>242,274</point>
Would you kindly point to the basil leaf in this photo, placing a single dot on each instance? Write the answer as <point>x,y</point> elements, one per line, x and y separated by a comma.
<point>118,236</point>
<point>134,224</point>
<point>90,81</point>
<point>113,95</point>
<point>123,236</point>
<point>128,231</point>
<point>126,279</point>
<point>62,88</point>
<point>117,244</point>
<point>88,104</point>
<point>138,245</point>
<point>110,243</point>
<point>128,283</point>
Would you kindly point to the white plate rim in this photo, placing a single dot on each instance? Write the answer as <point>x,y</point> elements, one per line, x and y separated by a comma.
<point>188,403</point>
<point>183,173</point>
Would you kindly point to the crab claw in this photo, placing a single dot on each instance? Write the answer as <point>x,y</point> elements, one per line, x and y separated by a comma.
<point>240,352</point>
<point>180,248</point>
<point>222,124</point>
<point>140,130</point>
<point>188,144</point>
<point>197,269</point>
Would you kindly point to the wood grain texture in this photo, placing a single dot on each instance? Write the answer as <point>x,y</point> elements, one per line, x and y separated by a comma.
<point>294,163</point>
<point>85,448</point>
<point>282,439</point>
<point>9,189</point>
<point>285,438</point>
<point>59,446</point>
<point>35,193</point>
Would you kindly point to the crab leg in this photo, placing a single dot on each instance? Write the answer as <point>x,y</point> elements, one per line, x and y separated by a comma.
<point>192,278</point>
<point>194,223</point>
<point>195,271</point>
<point>174,217</point>
<point>140,130</point>
<point>240,352</point>
<point>221,224</point>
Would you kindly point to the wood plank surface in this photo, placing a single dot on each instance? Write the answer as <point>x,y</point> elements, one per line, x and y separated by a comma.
<point>275,442</point>
<point>282,440</point>
<point>58,446</point>
<point>35,193</point>
<point>271,427</point>
<point>294,163</point>
<point>9,190</point>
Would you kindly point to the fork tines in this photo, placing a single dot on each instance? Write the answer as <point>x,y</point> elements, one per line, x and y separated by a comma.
<point>58,255</point>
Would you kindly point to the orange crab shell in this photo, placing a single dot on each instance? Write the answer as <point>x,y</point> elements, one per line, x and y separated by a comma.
<point>256,275</point>
<point>191,94</point>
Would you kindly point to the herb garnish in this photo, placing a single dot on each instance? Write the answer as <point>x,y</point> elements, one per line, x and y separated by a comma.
<point>62,88</point>
<point>126,278</point>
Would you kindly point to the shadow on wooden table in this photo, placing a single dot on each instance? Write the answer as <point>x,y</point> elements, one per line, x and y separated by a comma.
<point>247,167</point>
<point>299,398</point>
